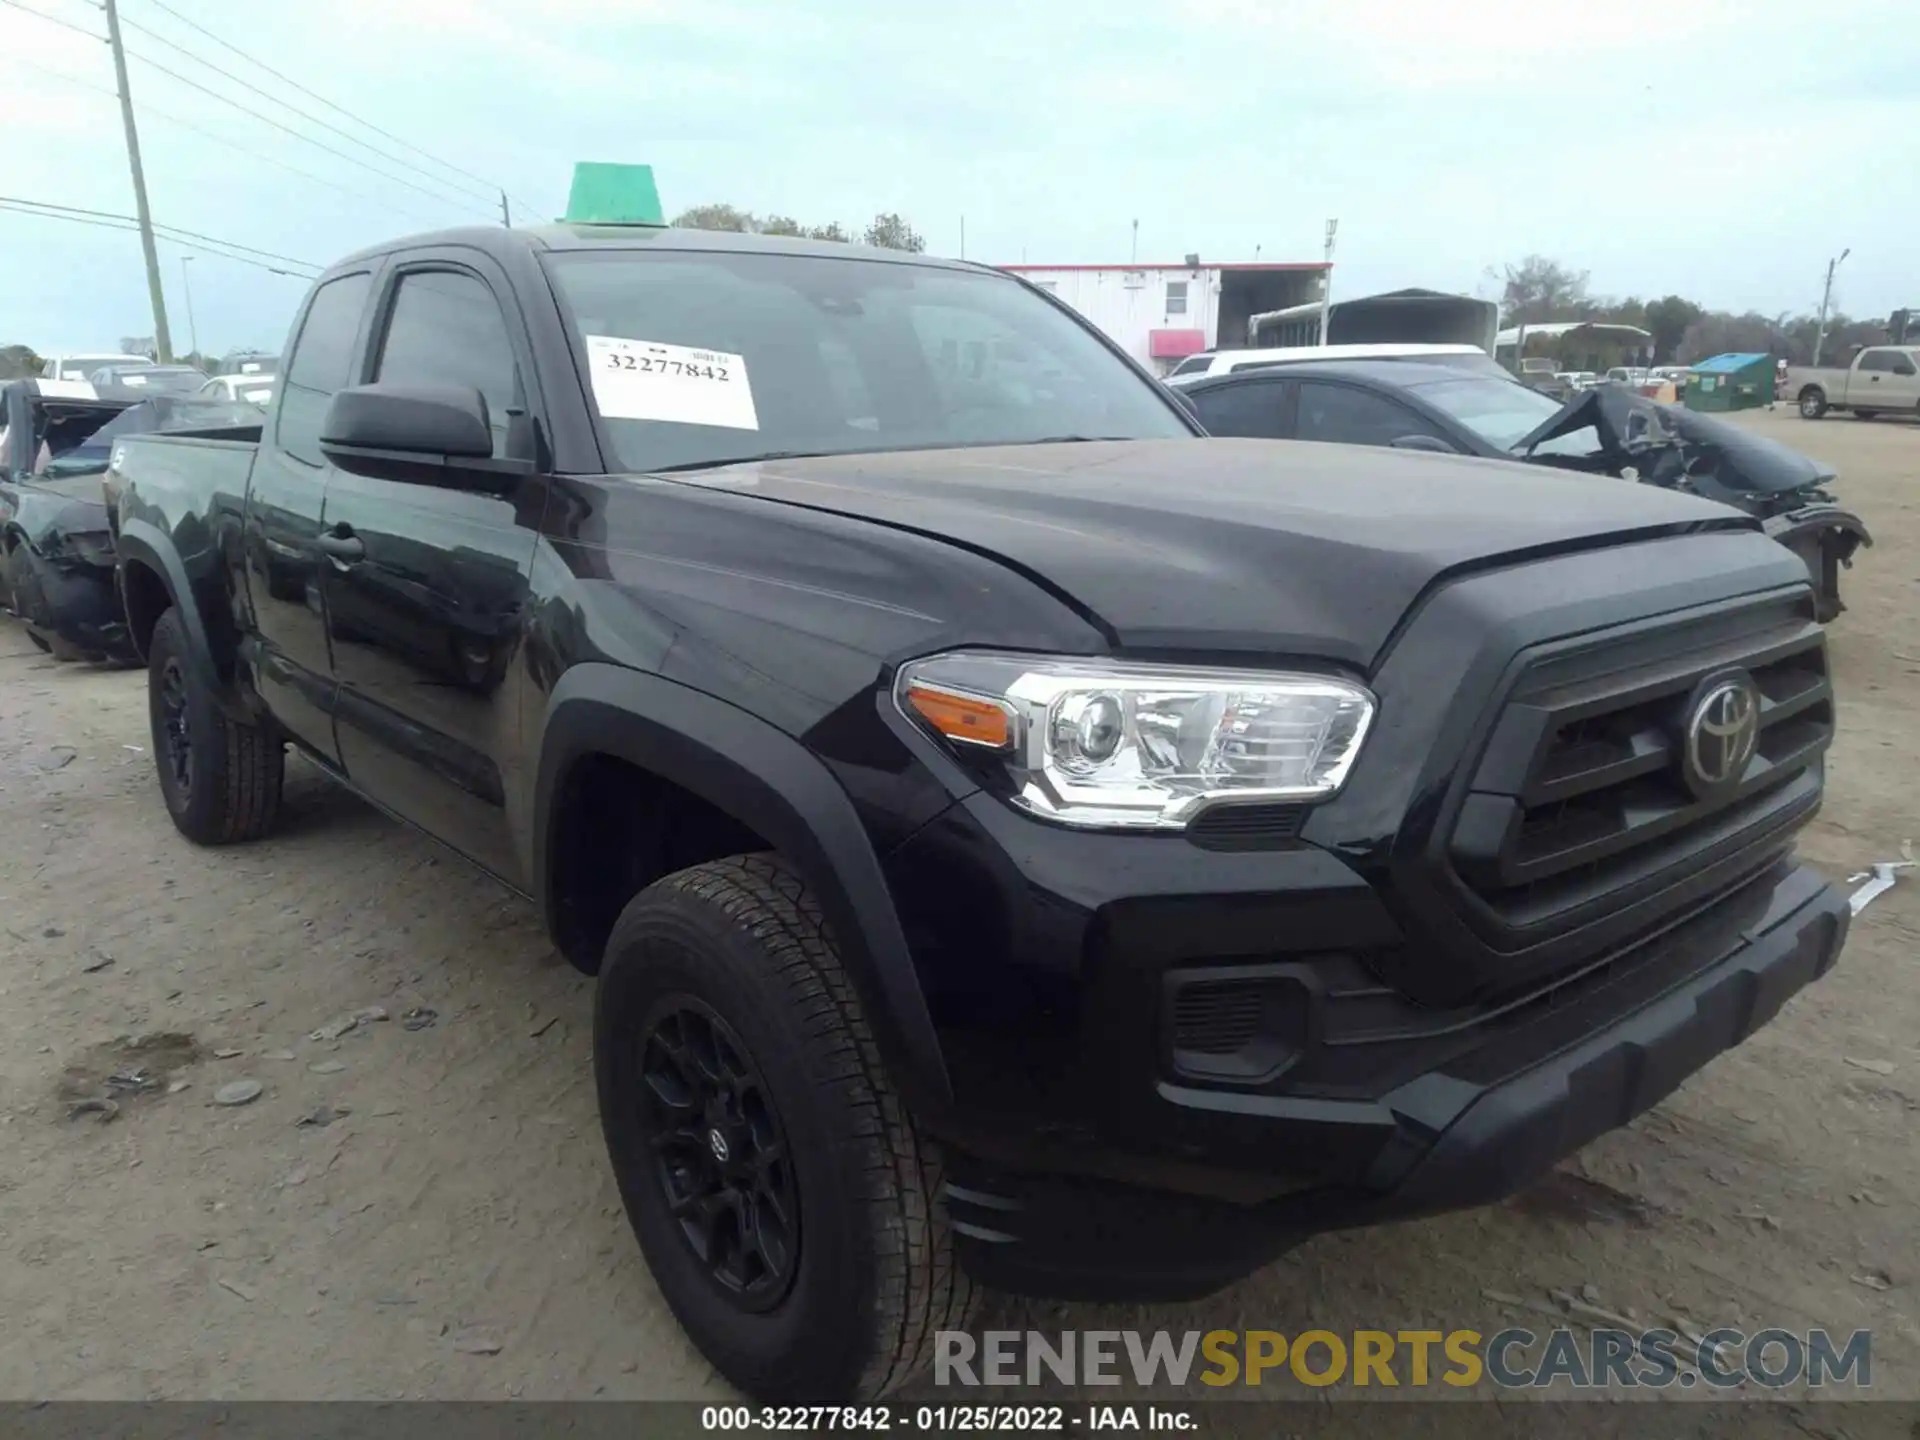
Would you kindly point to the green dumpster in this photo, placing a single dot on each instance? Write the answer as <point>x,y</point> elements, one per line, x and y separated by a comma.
<point>1730,382</point>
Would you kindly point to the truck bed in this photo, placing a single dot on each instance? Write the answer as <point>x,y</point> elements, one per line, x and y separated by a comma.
<point>182,474</point>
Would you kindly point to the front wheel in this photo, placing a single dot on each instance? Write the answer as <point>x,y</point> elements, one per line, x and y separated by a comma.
<point>777,1184</point>
<point>219,775</point>
<point>1813,403</point>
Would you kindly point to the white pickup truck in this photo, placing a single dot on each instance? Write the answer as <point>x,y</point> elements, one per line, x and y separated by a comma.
<point>1882,379</point>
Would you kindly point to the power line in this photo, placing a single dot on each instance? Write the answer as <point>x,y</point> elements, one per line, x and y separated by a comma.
<point>156,114</point>
<point>54,20</point>
<point>346,135</point>
<point>467,203</point>
<point>461,202</point>
<point>337,109</point>
<point>129,223</point>
<point>177,231</point>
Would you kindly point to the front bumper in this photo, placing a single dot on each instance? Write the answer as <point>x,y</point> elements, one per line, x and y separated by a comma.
<point>1531,1088</point>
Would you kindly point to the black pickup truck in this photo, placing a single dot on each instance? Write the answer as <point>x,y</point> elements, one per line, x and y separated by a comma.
<point>1019,839</point>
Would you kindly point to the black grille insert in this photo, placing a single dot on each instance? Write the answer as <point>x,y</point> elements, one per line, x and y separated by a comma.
<point>1216,1018</point>
<point>1236,1023</point>
<point>1246,827</point>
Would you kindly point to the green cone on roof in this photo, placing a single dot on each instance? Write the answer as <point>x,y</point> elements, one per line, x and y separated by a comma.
<point>605,194</point>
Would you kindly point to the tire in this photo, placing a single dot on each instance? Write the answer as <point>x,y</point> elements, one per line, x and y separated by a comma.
<point>1813,403</point>
<point>1866,414</point>
<point>220,777</point>
<point>870,1275</point>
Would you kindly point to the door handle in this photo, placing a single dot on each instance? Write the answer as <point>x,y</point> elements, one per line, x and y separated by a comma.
<point>342,547</point>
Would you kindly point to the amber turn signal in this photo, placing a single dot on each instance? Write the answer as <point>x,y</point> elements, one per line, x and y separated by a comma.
<point>966,718</point>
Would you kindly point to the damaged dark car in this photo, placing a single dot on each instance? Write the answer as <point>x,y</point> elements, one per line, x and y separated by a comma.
<point>1609,430</point>
<point>56,548</point>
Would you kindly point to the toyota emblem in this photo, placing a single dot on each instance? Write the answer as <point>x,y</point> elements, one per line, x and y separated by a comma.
<point>1722,730</point>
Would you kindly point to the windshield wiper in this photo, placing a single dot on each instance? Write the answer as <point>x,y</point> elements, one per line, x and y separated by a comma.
<point>691,465</point>
<point>740,460</point>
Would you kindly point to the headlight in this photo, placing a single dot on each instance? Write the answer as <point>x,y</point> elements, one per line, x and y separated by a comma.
<point>1111,743</point>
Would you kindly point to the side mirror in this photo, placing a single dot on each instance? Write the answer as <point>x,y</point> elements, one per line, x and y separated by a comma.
<point>1432,444</point>
<point>437,434</point>
<point>448,421</point>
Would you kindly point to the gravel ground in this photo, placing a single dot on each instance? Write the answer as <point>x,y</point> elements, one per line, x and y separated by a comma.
<point>420,1206</point>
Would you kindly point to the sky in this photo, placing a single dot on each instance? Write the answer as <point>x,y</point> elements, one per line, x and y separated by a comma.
<point>1720,149</point>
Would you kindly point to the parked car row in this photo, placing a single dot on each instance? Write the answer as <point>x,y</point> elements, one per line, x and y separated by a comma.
<point>1021,838</point>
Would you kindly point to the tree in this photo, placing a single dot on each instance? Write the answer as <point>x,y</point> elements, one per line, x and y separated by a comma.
<point>1668,320</point>
<point>1719,333</point>
<point>829,231</point>
<point>781,225</point>
<point>890,232</point>
<point>1538,290</point>
<point>19,362</point>
<point>716,217</point>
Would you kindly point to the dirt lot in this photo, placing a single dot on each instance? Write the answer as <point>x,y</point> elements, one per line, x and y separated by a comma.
<point>398,1198</point>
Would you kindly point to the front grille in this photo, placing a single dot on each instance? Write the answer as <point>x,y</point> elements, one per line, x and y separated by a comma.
<point>1580,798</point>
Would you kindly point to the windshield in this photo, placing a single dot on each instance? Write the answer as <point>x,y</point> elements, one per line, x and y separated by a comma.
<point>709,358</point>
<point>1500,412</point>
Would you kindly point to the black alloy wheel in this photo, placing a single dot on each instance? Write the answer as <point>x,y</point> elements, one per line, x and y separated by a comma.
<point>721,1155</point>
<point>177,727</point>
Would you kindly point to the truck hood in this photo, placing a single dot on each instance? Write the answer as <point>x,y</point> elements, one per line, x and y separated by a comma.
<point>1223,545</point>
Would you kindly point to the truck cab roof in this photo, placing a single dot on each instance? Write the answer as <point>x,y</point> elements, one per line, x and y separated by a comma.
<point>500,242</point>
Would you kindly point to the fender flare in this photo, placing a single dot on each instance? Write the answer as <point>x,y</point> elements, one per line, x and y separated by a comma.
<point>768,781</point>
<point>141,542</point>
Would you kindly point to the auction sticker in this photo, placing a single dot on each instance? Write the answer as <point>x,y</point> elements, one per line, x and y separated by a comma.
<point>645,380</point>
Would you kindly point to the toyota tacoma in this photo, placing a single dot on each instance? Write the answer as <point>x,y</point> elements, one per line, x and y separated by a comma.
<point>1020,840</point>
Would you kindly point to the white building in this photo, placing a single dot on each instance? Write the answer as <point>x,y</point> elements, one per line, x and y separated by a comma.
<point>1160,314</point>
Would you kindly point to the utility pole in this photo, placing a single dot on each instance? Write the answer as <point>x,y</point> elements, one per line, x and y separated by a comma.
<point>193,330</point>
<point>162,340</point>
<point>1134,258</point>
<point>963,237</point>
<point>506,215</point>
<point>1826,296</point>
<point>1326,283</point>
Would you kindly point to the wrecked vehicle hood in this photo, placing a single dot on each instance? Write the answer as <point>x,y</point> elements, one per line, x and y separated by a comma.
<point>1227,544</point>
<point>1652,438</point>
<point>1680,449</point>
